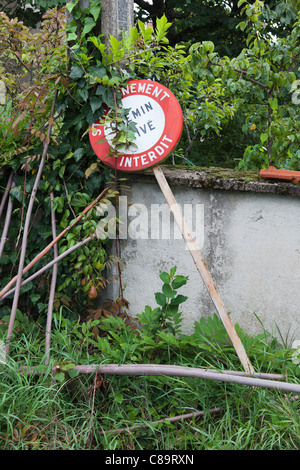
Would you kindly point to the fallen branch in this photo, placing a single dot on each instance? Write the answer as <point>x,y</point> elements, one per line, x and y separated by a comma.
<point>175,371</point>
<point>182,371</point>
<point>173,419</point>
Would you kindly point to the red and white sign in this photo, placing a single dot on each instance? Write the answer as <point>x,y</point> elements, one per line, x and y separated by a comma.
<point>158,118</point>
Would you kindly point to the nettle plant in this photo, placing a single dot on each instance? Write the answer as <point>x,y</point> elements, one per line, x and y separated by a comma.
<point>261,81</point>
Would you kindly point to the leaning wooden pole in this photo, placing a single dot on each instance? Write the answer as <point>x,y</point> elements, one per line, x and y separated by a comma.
<point>203,270</point>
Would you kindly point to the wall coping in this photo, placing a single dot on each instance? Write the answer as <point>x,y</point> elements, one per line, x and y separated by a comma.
<point>219,179</point>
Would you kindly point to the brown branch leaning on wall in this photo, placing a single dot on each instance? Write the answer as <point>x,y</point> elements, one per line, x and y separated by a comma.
<point>51,244</point>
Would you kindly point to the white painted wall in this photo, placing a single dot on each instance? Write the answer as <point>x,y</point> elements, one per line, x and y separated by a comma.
<point>252,249</point>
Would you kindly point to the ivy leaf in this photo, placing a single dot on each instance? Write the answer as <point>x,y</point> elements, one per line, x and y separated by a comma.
<point>95,11</point>
<point>78,154</point>
<point>273,102</point>
<point>76,72</point>
<point>89,24</point>
<point>95,103</point>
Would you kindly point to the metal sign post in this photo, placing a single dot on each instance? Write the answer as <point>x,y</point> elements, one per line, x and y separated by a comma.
<point>158,118</point>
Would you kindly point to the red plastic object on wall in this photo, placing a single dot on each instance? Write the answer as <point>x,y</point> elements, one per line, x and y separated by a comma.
<point>275,173</point>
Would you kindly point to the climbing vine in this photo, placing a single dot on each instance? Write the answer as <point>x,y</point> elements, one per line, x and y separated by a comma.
<point>66,65</point>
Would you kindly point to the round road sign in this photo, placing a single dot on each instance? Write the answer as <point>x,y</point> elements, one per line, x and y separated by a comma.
<point>158,118</point>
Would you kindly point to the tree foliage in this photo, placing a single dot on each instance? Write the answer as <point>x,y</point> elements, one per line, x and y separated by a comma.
<point>262,79</point>
<point>215,21</point>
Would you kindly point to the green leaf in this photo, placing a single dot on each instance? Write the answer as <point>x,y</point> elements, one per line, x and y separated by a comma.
<point>95,103</point>
<point>179,281</point>
<point>169,338</point>
<point>72,37</point>
<point>160,299</point>
<point>162,26</point>
<point>167,290</point>
<point>78,154</point>
<point>60,377</point>
<point>263,137</point>
<point>73,373</point>
<point>67,366</point>
<point>178,300</point>
<point>76,71</point>
<point>173,271</point>
<point>164,277</point>
<point>70,6</point>
<point>89,24</point>
<point>119,398</point>
<point>95,11</point>
<point>273,102</point>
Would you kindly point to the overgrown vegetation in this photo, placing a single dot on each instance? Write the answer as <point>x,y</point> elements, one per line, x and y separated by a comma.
<point>69,410</point>
<point>61,79</point>
<point>255,91</point>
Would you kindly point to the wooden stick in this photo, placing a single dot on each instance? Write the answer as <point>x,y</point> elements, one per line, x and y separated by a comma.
<point>173,419</point>
<point>51,244</point>
<point>6,192</point>
<point>50,264</point>
<point>203,270</point>
<point>172,371</point>
<point>52,287</point>
<point>6,223</point>
<point>26,231</point>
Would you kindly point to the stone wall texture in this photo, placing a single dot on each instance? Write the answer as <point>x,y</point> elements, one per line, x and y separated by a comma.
<point>248,233</point>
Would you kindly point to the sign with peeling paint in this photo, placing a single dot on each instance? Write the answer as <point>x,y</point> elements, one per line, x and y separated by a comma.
<point>158,121</point>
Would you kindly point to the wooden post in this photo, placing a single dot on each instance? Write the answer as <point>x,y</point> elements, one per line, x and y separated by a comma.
<point>203,270</point>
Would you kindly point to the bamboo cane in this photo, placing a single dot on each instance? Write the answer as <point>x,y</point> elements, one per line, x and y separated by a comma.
<point>6,192</point>
<point>203,270</point>
<point>6,223</point>
<point>50,264</point>
<point>51,244</point>
<point>52,287</point>
<point>25,233</point>
<point>174,371</point>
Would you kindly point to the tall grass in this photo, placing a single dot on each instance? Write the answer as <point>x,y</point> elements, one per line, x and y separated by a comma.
<point>72,411</point>
<point>40,413</point>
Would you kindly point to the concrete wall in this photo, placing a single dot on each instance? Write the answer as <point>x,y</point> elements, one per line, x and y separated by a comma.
<point>249,238</point>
